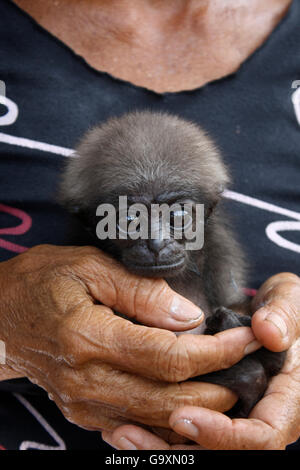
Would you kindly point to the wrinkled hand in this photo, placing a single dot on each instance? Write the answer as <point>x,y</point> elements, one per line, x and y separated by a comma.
<point>276,307</point>
<point>100,369</point>
<point>275,421</point>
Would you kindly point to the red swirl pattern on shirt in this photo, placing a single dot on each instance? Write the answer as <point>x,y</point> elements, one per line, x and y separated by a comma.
<point>20,229</point>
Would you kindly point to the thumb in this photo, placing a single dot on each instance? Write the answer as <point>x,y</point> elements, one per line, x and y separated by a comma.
<point>149,301</point>
<point>276,321</point>
<point>215,431</point>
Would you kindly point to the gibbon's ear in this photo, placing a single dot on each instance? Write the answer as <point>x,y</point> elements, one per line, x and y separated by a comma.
<point>209,209</point>
<point>218,195</point>
<point>220,190</point>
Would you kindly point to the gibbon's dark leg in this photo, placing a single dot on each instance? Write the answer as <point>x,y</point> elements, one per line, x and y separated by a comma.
<point>249,377</point>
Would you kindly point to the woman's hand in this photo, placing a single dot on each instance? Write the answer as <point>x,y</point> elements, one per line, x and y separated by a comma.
<point>100,369</point>
<point>275,421</point>
<point>276,307</point>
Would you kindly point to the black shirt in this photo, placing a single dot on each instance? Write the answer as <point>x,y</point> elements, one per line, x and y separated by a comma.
<point>53,96</point>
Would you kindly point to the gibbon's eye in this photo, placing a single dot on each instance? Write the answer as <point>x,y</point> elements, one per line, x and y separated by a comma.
<point>180,220</point>
<point>128,224</point>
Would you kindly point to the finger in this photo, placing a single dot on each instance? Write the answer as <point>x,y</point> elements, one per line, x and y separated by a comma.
<point>94,333</point>
<point>97,390</point>
<point>272,424</point>
<point>149,301</point>
<point>276,322</point>
<point>130,437</point>
<point>91,417</point>
<point>166,434</point>
<point>215,431</point>
<point>67,390</point>
<point>280,406</point>
<point>151,402</point>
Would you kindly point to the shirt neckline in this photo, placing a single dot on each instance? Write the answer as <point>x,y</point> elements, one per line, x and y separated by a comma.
<point>146,90</point>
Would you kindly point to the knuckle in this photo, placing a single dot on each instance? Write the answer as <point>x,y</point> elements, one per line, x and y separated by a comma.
<point>85,260</point>
<point>87,251</point>
<point>87,254</point>
<point>175,363</point>
<point>34,257</point>
<point>288,309</point>
<point>222,357</point>
<point>69,395</point>
<point>147,294</point>
<point>69,343</point>
<point>86,265</point>
<point>69,414</point>
<point>288,288</point>
<point>71,356</point>
<point>288,276</point>
<point>282,278</point>
<point>160,291</point>
<point>159,288</point>
<point>64,386</point>
<point>37,249</point>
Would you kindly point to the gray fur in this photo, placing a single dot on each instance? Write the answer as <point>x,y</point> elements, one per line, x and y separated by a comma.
<point>145,155</point>
<point>145,152</point>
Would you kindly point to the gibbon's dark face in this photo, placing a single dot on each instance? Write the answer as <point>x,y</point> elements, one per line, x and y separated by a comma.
<point>162,251</point>
<point>151,158</point>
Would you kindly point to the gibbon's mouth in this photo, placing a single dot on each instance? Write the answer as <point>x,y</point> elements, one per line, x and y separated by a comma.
<point>157,270</point>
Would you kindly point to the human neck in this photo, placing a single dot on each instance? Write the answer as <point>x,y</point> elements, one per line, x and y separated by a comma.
<point>157,44</point>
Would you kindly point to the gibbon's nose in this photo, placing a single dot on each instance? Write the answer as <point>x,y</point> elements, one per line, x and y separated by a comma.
<point>156,244</point>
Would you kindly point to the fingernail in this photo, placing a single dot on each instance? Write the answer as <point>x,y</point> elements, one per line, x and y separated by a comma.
<point>184,311</point>
<point>278,322</point>
<point>185,426</point>
<point>125,444</point>
<point>251,347</point>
